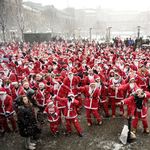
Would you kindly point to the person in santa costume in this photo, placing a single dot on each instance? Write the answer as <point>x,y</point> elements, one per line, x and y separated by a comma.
<point>72,82</point>
<point>9,74</point>
<point>70,113</point>
<point>102,98</point>
<point>143,73</point>
<point>39,79</point>
<point>52,111</point>
<point>92,94</point>
<point>42,95</point>
<point>61,90</point>
<point>131,88</point>
<point>6,111</point>
<point>91,75</point>
<point>24,88</point>
<point>114,94</point>
<point>139,108</point>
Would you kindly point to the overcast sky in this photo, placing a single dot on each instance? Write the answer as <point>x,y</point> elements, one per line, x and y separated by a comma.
<point>113,4</point>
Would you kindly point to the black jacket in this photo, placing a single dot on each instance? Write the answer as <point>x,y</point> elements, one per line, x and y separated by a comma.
<point>26,119</point>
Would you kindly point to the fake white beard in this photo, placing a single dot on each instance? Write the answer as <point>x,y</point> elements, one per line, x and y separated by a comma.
<point>54,67</point>
<point>106,67</point>
<point>125,69</point>
<point>99,61</point>
<point>111,58</point>
<point>90,77</point>
<point>20,62</point>
<point>149,70</point>
<point>136,63</point>
<point>83,65</point>
<point>121,67</point>
<point>70,77</point>
<point>6,72</point>
<point>25,66</point>
<point>1,84</point>
<point>90,90</point>
<point>117,64</point>
<point>98,84</point>
<point>55,86</point>
<point>70,65</point>
<point>132,85</point>
<point>3,97</point>
<point>32,80</point>
<point>115,81</point>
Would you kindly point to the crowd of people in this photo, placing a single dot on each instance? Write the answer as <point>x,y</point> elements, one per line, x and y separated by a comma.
<point>59,78</point>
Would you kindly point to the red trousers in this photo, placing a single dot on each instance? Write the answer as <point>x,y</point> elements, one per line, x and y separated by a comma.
<point>95,113</point>
<point>76,124</point>
<point>4,124</point>
<point>61,110</point>
<point>54,126</point>
<point>113,102</point>
<point>79,98</point>
<point>136,118</point>
<point>105,107</point>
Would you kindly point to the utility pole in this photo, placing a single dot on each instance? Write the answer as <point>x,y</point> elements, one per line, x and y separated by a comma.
<point>139,28</point>
<point>109,32</point>
<point>90,34</point>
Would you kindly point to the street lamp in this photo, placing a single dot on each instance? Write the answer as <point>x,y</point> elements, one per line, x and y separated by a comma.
<point>109,32</point>
<point>90,34</point>
<point>79,37</point>
<point>139,28</point>
<point>74,34</point>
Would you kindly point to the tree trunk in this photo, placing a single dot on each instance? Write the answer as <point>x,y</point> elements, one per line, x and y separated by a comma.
<point>3,30</point>
<point>22,35</point>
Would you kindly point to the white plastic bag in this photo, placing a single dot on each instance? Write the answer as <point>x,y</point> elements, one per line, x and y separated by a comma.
<point>124,134</point>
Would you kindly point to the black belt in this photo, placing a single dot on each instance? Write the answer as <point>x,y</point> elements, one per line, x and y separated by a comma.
<point>91,97</point>
<point>71,109</point>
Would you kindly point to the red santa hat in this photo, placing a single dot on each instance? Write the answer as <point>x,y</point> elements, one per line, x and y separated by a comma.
<point>4,77</point>
<point>1,69</point>
<point>2,91</point>
<point>41,83</point>
<point>44,72</point>
<point>92,81</point>
<point>6,68</point>
<point>49,102</point>
<point>54,72</point>
<point>14,82</point>
<point>116,73</point>
<point>69,71</point>
<point>71,94</point>
<point>23,78</point>
<point>39,75</point>
<point>131,78</point>
<point>32,72</point>
<point>138,89</point>
<point>25,83</point>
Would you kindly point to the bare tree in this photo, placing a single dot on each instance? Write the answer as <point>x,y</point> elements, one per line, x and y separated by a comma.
<point>4,19</point>
<point>20,18</point>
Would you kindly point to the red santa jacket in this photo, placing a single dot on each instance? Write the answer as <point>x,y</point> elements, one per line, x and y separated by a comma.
<point>6,105</point>
<point>128,87</point>
<point>43,96</point>
<point>91,99</point>
<point>130,100</point>
<point>15,93</point>
<point>70,109</point>
<point>62,92</point>
<point>51,110</point>
<point>115,93</point>
<point>142,82</point>
<point>72,84</point>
